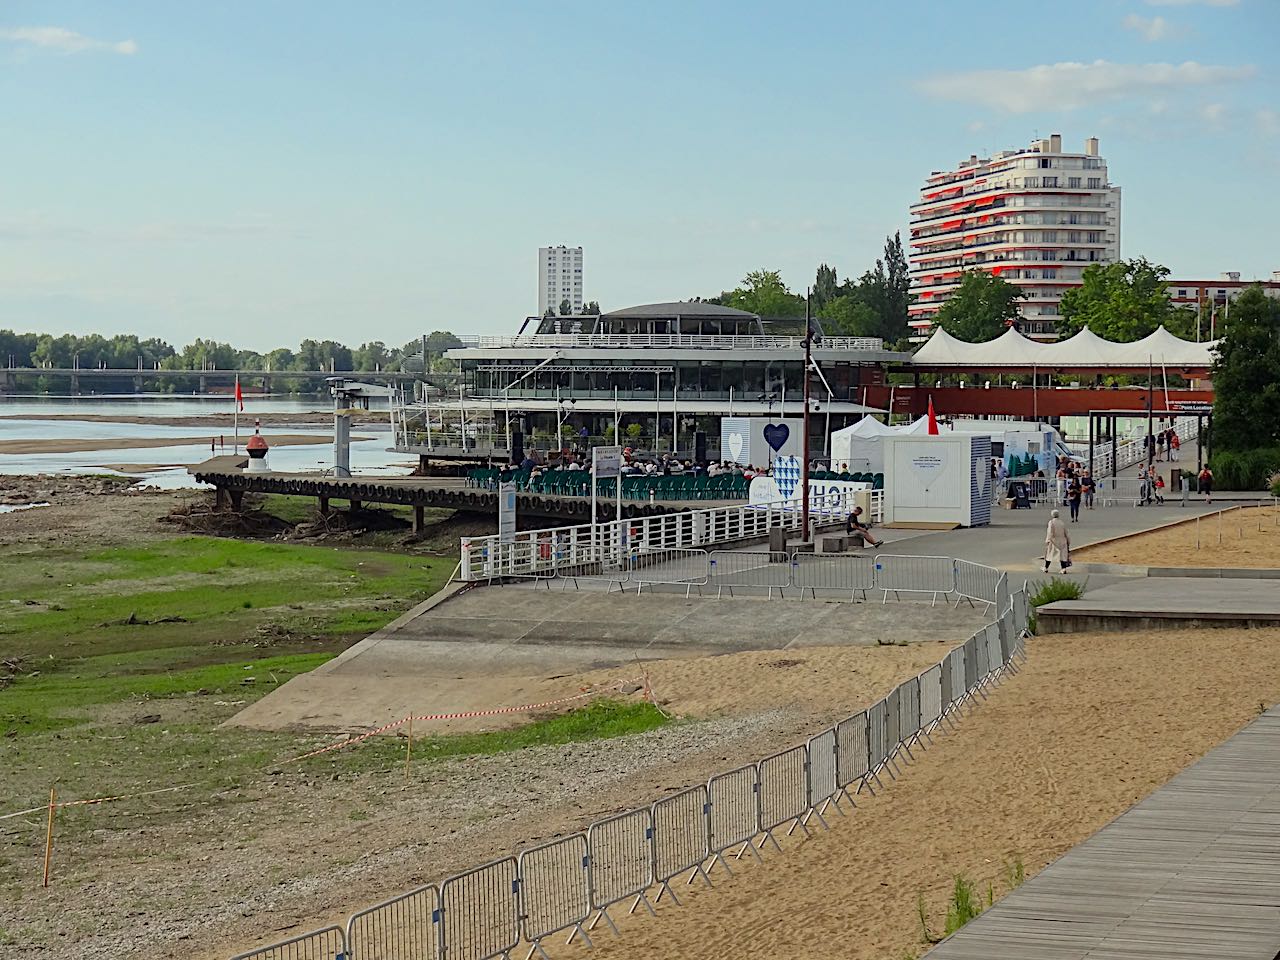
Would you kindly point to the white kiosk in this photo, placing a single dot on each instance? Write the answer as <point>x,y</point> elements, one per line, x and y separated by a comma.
<point>939,480</point>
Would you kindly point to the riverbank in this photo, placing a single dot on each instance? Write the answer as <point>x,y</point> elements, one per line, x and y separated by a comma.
<point>223,420</point>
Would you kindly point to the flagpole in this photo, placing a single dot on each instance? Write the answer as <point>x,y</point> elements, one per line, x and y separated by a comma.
<point>235,400</point>
<point>804,443</point>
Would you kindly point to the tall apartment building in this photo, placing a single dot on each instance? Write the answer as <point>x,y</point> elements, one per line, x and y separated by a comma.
<point>1035,217</point>
<point>559,278</point>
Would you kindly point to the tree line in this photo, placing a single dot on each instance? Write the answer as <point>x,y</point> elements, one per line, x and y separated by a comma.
<point>128,352</point>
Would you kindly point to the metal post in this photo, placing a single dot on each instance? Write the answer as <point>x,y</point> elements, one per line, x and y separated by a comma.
<point>804,443</point>
<point>1091,419</point>
<point>1115,456</point>
<point>1151,437</point>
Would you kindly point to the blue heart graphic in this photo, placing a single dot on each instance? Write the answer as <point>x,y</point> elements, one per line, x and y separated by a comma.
<point>775,435</point>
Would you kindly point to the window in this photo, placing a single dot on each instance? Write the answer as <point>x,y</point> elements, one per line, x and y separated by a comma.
<point>1073,183</point>
<point>1049,182</point>
<point>1182,293</point>
<point>1092,163</point>
<point>1031,182</point>
<point>1093,236</point>
<point>1051,273</point>
<point>1048,236</point>
<point>1045,162</point>
<point>1095,183</point>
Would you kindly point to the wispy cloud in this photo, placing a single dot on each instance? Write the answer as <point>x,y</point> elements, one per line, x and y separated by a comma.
<point>1068,86</point>
<point>63,40</point>
<point>1192,3</point>
<point>1268,122</point>
<point>1151,29</point>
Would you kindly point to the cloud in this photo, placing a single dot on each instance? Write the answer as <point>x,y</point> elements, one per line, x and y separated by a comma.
<point>1068,86</point>
<point>1151,29</point>
<point>1268,122</point>
<point>1213,113</point>
<point>63,40</point>
<point>1192,3</point>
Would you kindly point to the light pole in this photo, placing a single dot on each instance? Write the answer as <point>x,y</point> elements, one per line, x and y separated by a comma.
<point>804,442</point>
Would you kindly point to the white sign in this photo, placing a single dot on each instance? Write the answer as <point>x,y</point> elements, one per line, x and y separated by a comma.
<point>506,512</point>
<point>764,491</point>
<point>927,466</point>
<point>606,462</point>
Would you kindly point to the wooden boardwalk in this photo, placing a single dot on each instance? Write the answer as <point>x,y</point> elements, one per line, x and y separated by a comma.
<point>1191,872</point>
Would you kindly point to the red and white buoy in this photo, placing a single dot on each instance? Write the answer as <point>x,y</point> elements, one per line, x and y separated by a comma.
<point>257,449</point>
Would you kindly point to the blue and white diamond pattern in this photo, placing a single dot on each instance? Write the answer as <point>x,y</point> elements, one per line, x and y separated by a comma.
<point>786,474</point>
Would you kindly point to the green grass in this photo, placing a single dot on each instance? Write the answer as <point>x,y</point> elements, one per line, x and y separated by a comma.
<point>600,720</point>
<point>1056,588</point>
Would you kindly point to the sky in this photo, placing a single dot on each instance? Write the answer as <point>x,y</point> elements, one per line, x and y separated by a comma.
<point>262,172</point>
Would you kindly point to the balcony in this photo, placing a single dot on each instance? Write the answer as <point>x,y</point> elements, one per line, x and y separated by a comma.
<point>668,341</point>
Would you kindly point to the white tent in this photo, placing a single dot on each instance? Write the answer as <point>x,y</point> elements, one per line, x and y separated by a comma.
<point>857,447</point>
<point>1085,350</point>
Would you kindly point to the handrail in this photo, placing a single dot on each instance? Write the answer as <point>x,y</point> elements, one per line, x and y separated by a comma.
<point>711,342</point>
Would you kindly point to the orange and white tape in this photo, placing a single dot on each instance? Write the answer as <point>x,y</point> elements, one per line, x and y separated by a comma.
<point>84,803</point>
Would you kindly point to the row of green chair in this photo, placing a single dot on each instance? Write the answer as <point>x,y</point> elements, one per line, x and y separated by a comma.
<point>876,479</point>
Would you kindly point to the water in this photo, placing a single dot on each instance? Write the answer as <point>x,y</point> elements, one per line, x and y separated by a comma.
<point>15,507</point>
<point>166,465</point>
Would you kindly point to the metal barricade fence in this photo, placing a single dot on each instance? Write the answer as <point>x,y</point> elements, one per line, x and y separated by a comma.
<point>761,569</point>
<point>909,710</point>
<point>981,656</point>
<point>328,943</point>
<point>971,664</point>
<point>893,720</point>
<point>621,865</point>
<point>905,574</point>
<point>994,657</point>
<point>853,750</point>
<point>814,572</point>
<point>555,890</point>
<point>681,839</point>
<point>678,565</point>
<point>1123,490</point>
<point>734,800</point>
<point>823,785</point>
<point>930,697</point>
<point>479,913</point>
<point>404,926</point>
<point>784,789</point>
<point>946,681</point>
<point>975,581</point>
<point>877,741</point>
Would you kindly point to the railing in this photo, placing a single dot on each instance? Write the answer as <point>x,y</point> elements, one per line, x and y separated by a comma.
<point>490,910</point>
<point>1132,451</point>
<point>651,340</point>
<point>542,553</point>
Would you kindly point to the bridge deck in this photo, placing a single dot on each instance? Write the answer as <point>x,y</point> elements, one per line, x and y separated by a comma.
<point>1191,872</point>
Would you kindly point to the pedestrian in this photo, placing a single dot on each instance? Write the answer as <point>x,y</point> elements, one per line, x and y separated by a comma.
<point>1175,444</point>
<point>1144,486</point>
<point>1160,445</point>
<point>1088,485</point>
<point>213,446</point>
<point>1159,488</point>
<point>1206,483</point>
<point>855,525</point>
<point>1074,494</point>
<point>222,441</point>
<point>1062,485</point>
<point>1057,544</point>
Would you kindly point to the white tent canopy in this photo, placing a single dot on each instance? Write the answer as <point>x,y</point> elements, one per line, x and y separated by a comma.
<point>1085,350</point>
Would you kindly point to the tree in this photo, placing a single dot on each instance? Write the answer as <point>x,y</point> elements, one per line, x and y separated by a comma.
<point>1246,405</point>
<point>763,293</point>
<point>897,287</point>
<point>566,307</point>
<point>591,309</point>
<point>979,309</point>
<point>1122,301</point>
<point>849,316</point>
<point>826,287</point>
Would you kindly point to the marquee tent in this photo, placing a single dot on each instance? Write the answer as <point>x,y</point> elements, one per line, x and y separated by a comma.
<point>1084,351</point>
<point>857,447</point>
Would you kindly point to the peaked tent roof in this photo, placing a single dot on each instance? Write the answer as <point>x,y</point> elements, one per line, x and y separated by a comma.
<point>1085,350</point>
<point>865,429</point>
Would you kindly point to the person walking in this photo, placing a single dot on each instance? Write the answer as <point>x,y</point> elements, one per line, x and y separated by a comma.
<point>1175,444</point>
<point>1074,493</point>
<point>1057,543</point>
<point>1087,486</point>
<point>1144,495</point>
<point>1206,483</point>
<point>1159,488</point>
<point>1061,480</point>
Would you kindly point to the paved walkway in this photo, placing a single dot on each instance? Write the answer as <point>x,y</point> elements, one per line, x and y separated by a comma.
<point>1143,603</point>
<point>1191,872</point>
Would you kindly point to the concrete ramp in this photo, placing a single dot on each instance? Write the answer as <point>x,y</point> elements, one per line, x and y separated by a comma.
<point>497,646</point>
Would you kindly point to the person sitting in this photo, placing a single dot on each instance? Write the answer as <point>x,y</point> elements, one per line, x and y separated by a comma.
<point>855,525</point>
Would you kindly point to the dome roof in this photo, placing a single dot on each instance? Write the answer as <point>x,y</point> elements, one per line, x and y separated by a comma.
<point>693,308</point>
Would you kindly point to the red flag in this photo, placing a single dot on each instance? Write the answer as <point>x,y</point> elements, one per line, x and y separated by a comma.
<point>933,419</point>
<point>240,397</point>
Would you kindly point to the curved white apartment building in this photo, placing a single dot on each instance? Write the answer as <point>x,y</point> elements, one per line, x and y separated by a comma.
<point>1036,217</point>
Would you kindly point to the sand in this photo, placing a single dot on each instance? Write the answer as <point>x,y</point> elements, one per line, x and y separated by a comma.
<point>1236,537</point>
<point>85,445</point>
<point>204,419</point>
<point>1092,725</point>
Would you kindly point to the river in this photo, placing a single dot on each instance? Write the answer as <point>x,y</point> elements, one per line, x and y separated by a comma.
<point>54,419</point>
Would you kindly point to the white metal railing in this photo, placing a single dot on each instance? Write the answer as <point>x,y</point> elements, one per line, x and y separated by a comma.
<point>1129,452</point>
<point>588,547</point>
<point>712,342</point>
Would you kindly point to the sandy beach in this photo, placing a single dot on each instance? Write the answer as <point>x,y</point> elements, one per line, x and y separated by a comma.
<point>1236,537</point>
<point>86,445</point>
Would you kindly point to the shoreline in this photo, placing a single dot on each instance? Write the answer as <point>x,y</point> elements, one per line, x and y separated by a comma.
<point>362,417</point>
<point>86,445</point>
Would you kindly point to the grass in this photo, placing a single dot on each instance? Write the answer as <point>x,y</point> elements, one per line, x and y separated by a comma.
<point>1056,588</point>
<point>964,903</point>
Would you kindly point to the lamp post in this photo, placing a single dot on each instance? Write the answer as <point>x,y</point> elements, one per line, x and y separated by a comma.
<point>804,442</point>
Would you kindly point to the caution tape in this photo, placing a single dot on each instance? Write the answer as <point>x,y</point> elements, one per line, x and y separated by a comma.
<point>85,803</point>
<point>466,714</point>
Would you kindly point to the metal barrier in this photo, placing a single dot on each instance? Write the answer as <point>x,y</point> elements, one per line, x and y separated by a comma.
<point>784,791</point>
<point>555,890</point>
<point>975,581</point>
<point>328,943</point>
<point>404,926</point>
<point>680,838</point>
<point>487,912</point>
<point>902,574</point>
<point>814,572</point>
<point>734,802</point>
<point>479,913</point>
<point>621,864</point>
<point>823,786</point>
<point>761,569</point>
<point>853,752</point>
<point>1124,490</point>
<point>670,565</point>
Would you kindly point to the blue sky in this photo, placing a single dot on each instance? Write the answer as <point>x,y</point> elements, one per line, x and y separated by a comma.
<point>263,172</point>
